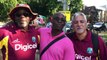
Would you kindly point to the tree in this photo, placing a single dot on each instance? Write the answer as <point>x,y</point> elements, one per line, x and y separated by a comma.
<point>75,6</point>
<point>45,7</point>
<point>6,6</point>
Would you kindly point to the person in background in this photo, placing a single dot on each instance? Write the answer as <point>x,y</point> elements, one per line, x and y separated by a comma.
<point>82,40</point>
<point>18,40</point>
<point>60,50</point>
<point>35,23</point>
<point>38,22</point>
<point>49,24</point>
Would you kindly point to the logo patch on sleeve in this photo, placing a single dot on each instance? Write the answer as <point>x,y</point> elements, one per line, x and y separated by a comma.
<point>33,39</point>
<point>89,50</point>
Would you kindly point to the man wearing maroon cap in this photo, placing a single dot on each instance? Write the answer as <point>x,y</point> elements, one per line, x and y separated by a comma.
<point>82,38</point>
<point>18,40</point>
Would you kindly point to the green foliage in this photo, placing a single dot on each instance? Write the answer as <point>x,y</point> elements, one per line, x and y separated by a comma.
<point>2,1</point>
<point>105,36</point>
<point>6,6</point>
<point>75,6</point>
<point>43,7</point>
<point>21,1</point>
<point>48,7</point>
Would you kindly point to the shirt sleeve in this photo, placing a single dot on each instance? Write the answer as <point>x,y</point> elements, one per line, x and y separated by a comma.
<point>69,51</point>
<point>103,49</point>
<point>3,42</point>
<point>1,34</point>
<point>3,38</point>
<point>38,30</point>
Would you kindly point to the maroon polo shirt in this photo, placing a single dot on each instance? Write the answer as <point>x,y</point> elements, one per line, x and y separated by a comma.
<point>17,44</point>
<point>84,48</point>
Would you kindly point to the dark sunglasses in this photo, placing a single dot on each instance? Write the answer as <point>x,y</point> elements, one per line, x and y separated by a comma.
<point>26,14</point>
<point>59,19</point>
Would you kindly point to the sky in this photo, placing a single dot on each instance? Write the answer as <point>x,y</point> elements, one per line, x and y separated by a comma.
<point>98,3</point>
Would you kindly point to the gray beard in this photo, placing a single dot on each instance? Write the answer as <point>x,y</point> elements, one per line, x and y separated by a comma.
<point>80,31</point>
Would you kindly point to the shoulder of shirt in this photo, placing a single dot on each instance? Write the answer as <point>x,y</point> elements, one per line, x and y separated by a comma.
<point>3,31</point>
<point>44,28</point>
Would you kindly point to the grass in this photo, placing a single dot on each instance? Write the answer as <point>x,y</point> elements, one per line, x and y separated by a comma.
<point>104,35</point>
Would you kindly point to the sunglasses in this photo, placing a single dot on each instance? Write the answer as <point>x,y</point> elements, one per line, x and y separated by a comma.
<point>59,19</point>
<point>26,14</point>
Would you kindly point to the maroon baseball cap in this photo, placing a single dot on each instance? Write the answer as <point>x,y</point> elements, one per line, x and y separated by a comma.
<point>26,7</point>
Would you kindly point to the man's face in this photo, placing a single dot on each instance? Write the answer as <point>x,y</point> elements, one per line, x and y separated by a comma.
<point>22,18</point>
<point>79,25</point>
<point>58,22</point>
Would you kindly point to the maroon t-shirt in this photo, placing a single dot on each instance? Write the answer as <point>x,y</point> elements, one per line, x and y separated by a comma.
<point>84,48</point>
<point>17,44</point>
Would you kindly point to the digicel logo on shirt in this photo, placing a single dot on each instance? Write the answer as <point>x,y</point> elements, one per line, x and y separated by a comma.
<point>81,57</point>
<point>25,47</point>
